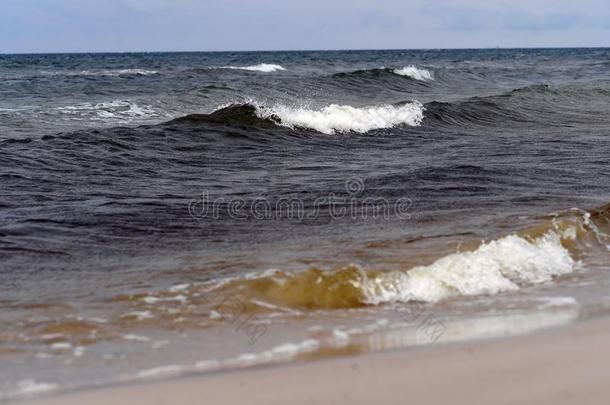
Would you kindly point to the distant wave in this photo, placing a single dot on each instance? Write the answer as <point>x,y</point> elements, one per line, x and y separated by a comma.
<point>411,72</point>
<point>262,67</point>
<point>235,114</point>
<point>104,72</point>
<point>521,105</point>
<point>328,120</point>
<point>537,104</point>
<point>414,73</point>
<point>112,110</point>
<point>121,72</point>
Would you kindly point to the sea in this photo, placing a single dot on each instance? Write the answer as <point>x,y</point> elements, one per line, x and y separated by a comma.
<point>164,214</point>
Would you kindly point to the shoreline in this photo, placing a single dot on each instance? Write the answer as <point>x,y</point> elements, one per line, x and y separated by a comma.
<point>562,365</point>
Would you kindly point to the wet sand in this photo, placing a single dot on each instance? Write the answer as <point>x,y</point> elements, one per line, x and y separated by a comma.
<point>561,366</point>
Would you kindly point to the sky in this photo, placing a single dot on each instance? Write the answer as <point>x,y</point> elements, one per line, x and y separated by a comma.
<point>214,25</point>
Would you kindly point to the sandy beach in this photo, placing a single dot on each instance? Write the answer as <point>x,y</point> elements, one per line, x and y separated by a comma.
<point>561,366</point>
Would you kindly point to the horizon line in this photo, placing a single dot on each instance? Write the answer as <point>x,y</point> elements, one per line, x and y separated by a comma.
<point>303,50</point>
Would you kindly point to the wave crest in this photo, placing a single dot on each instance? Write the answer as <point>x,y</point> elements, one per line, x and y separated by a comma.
<point>104,72</point>
<point>343,118</point>
<point>413,72</point>
<point>235,114</point>
<point>262,67</point>
<point>494,267</point>
<point>407,72</point>
<point>521,105</point>
<point>112,110</point>
<point>328,120</point>
<point>534,256</point>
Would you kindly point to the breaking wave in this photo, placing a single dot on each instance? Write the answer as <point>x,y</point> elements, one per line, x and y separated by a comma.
<point>414,73</point>
<point>535,256</point>
<point>410,72</point>
<point>521,105</point>
<point>539,104</point>
<point>343,118</point>
<point>328,120</point>
<point>262,67</point>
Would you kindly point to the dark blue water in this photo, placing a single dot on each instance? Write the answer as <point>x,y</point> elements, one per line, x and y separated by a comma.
<point>88,164</point>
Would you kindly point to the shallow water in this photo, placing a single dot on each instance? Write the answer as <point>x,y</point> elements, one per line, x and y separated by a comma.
<point>170,213</point>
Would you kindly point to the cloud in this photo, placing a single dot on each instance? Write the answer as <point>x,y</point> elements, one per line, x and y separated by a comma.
<point>534,15</point>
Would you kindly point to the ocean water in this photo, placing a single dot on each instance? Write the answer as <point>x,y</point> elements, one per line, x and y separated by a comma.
<point>167,213</point>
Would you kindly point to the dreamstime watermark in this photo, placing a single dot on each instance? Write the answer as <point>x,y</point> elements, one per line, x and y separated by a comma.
<point>234,310</point>
<point>429,328</point>
<point>334,206</point>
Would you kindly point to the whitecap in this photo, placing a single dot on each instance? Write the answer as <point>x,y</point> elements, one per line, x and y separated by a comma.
<point>415,73</point>
<point>104,72</point>
<point>61,346</point>
<point>138,315</point>
<point>262,67</point>
<point>136,338</point>
<point>497,266</point>
<point>32,387</point>
<point>110,110</point>
<point>343,118</point>
<point>120,72</point>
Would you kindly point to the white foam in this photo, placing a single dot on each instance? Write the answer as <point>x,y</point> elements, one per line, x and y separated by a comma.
<point>340,335</point>
<point>415,73</point>
<point>138,315</point>
<point>494,267</point>
<point>161,372</point>
<point>262,67</point>
<point>206,364</point>
<point>119,72</point>
<point>154,300</point>
<point>52,336</point>
<point>16,109</point>
<point>136,338</point>
<point>279,353</point>
<point>61,346</point>
<point>282,352</point>
<point>111,110</point>
<point>551,302</point>
<point>104,72</point>
<point>343,118</point>
<point>32,387</point>
<point>179,287</point>
<point>159,344</point>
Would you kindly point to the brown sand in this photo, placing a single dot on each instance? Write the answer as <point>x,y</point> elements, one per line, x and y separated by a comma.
<point>559,366</point>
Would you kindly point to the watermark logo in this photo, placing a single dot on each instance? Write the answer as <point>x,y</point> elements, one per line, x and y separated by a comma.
<point>354,186</point>
<point>351,203</point>
<point>429,327</point>
<point>233,310</point>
